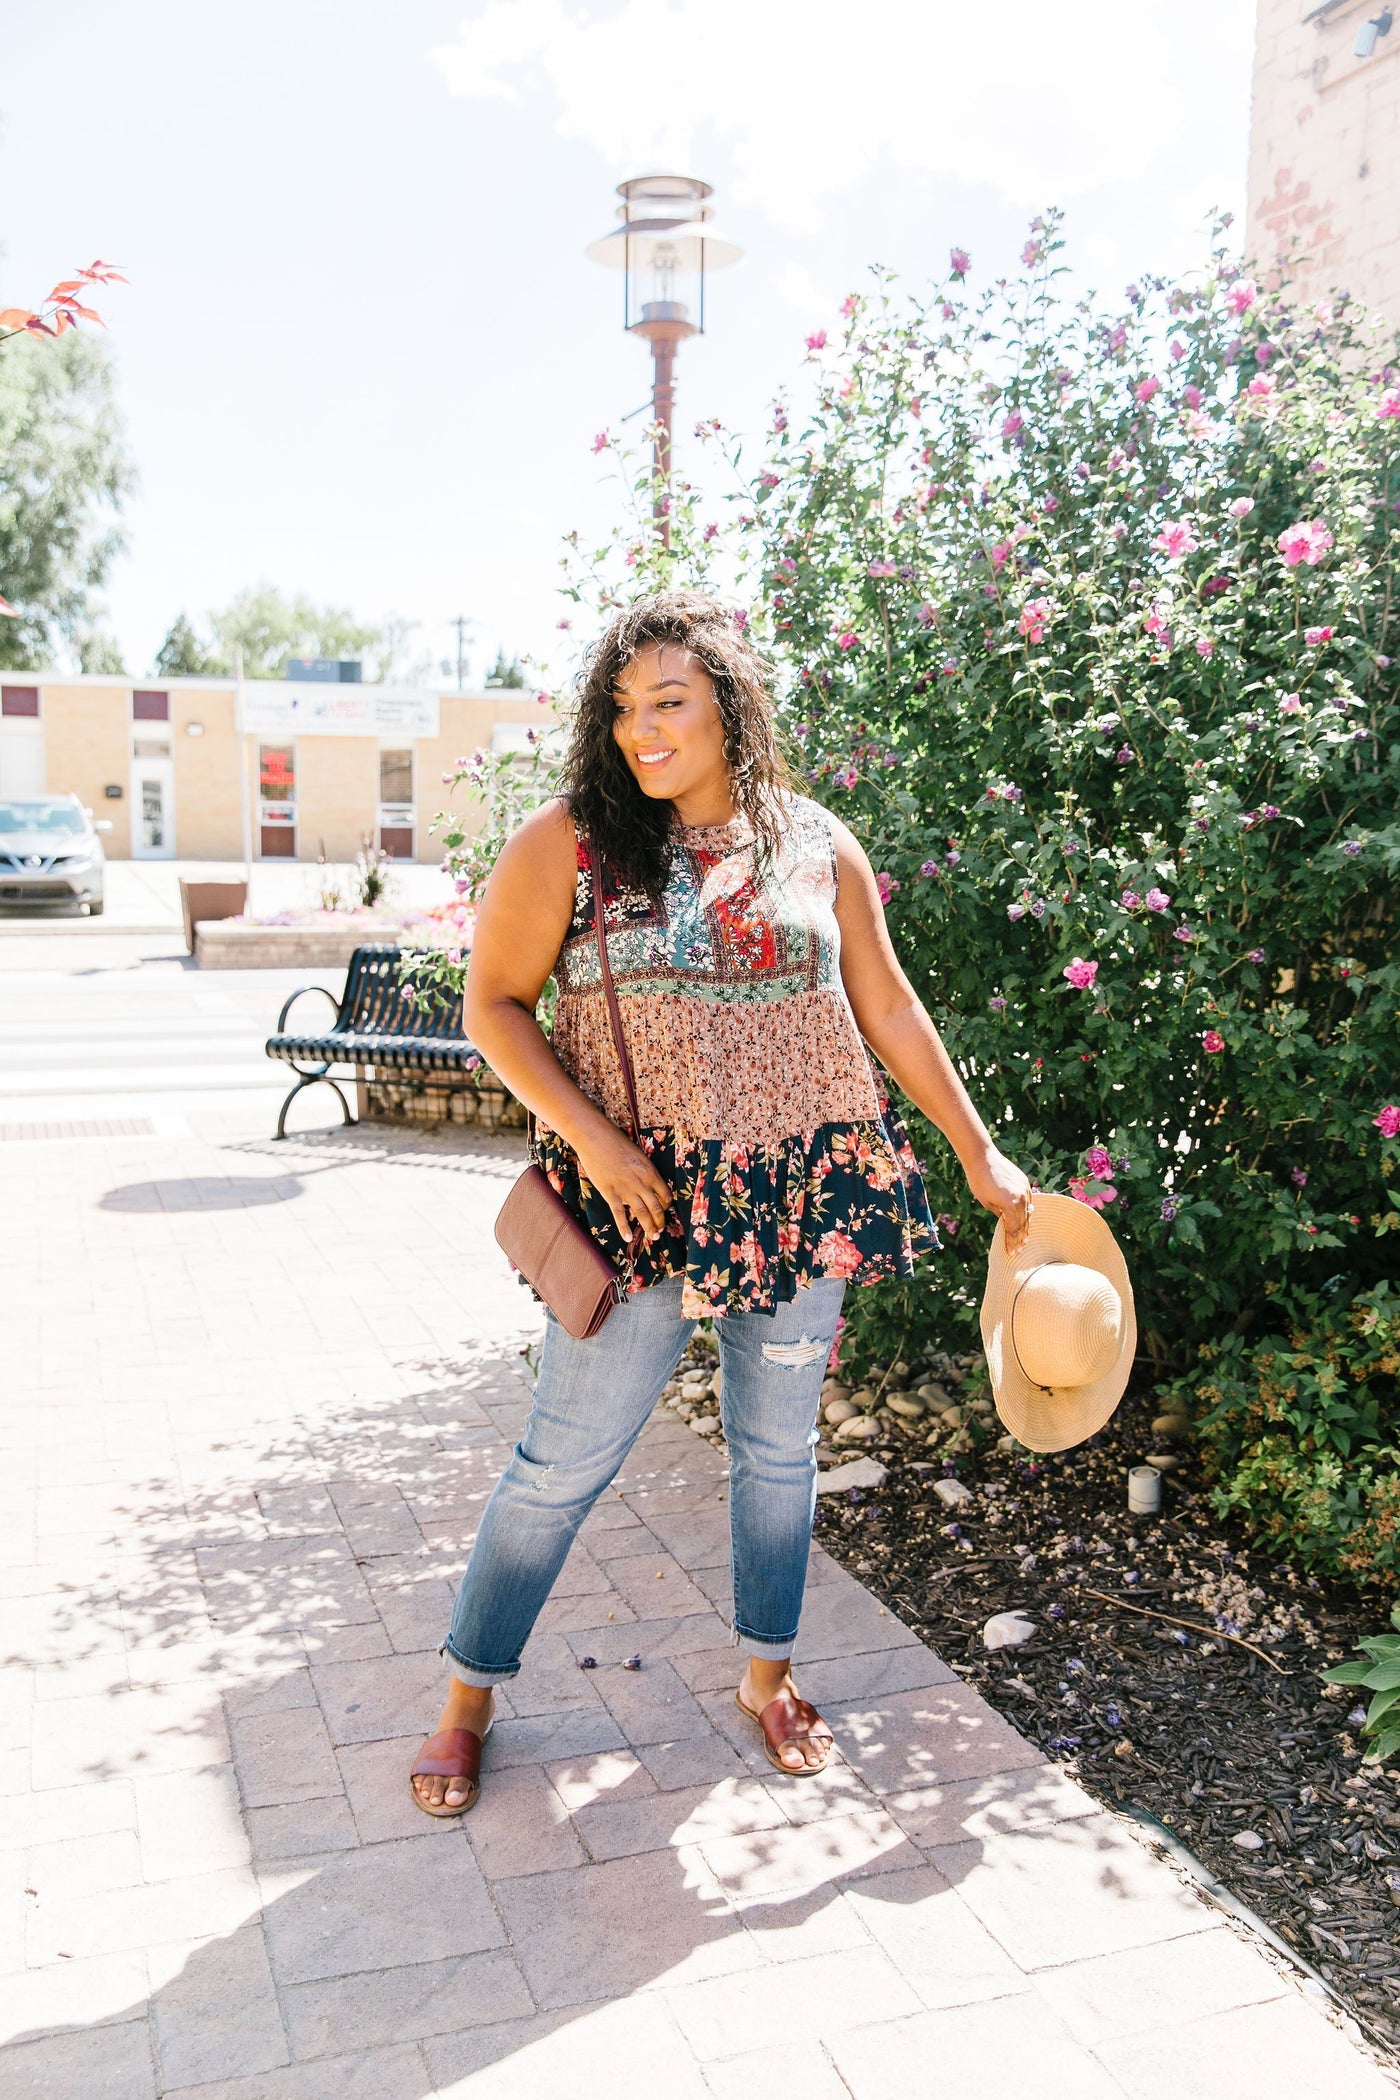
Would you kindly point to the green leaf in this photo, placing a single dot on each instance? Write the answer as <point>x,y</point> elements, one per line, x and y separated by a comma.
<point>1383,1678</point>
<point>1346,1673</point>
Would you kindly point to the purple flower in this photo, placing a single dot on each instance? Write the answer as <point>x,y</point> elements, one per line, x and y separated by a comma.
<point>1299,1177</point>
<point>1256,955</point>
<point>959,261</point>
<point>998,1004</point>
<point>1126,754</point>
<point>1015,911</point>
<point>1351,847</point>
<point>930,867</point>
<point>1130,900</point>
<point>951,859</point>
<point>588,1662</point>
<point>1183,933</point>
<point>1157,900</point>
<point>1169,1209</point>
<point>1038,908</point>
<point>633,1662</point>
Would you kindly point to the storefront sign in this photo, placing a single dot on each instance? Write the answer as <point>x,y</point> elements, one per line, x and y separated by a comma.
<point>337,710</point>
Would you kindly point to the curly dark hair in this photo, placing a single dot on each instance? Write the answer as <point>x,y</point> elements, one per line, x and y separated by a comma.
<point>631,832</point>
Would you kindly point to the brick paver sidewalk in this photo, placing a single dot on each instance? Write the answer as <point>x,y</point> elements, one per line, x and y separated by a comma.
<point>255,1396</point>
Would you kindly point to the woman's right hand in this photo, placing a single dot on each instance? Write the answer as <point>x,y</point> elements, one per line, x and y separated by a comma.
<point>626,1180</point>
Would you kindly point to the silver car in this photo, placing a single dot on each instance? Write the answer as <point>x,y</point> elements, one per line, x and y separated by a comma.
<point>50,852</point>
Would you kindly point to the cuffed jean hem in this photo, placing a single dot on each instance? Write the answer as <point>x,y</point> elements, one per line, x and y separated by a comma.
<point>472,1673</point>
<point>766,1651</point>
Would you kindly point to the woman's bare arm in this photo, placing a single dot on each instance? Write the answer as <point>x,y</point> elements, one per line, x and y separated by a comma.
<point>521,924</point>
<point>893,1021</point>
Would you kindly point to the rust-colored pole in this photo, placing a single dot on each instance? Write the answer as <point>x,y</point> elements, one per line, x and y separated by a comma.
<point>663,405</point>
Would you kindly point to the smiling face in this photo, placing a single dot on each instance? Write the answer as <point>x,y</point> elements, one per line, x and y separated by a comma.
<point>668,727</point>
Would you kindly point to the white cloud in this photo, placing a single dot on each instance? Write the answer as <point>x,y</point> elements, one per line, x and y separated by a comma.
<point>812,96</point>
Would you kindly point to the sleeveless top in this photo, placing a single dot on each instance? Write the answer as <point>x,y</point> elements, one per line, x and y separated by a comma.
<point>759,1103</point>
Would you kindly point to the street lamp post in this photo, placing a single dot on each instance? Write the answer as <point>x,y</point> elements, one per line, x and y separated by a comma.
<point>665,250</point>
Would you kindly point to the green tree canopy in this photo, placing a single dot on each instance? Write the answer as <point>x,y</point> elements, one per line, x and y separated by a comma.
<point>63,477</point>
<point>270,627</point>
<point>509,675</point>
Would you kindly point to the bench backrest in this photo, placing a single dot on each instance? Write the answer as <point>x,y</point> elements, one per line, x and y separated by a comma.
<point>374,1002</point>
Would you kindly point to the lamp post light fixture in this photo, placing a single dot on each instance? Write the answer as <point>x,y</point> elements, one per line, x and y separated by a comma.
<point>665,250</point>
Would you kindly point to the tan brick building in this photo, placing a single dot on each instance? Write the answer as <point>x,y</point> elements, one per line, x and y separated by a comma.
<point>316,767</point>
<point>1324,151</point>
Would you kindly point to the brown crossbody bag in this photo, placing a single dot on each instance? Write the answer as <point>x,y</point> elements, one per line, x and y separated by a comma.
<point>537,1231</point>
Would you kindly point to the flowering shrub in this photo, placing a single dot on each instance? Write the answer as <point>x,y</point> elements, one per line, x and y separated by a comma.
<point>1302,1430</point>
<point>1086,620</point>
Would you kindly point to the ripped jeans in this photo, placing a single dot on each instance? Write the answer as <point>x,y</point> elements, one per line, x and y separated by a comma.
<point>591,1401</point>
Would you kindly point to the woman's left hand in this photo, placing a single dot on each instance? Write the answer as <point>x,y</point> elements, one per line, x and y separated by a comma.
<point>1002,1187</point>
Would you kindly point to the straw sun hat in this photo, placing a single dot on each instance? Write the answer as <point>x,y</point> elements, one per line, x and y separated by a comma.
<point>1058,1325</point>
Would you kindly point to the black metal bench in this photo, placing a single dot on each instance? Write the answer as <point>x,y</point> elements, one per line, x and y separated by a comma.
<point>377,1028</point>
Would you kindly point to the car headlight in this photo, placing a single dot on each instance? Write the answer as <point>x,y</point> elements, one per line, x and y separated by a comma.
<point>73,863</point>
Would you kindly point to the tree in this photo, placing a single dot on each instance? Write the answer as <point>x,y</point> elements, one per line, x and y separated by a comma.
<point>269,627</point>
<point>510,676</point>
<point>183,655</point>
<point>64,475</point>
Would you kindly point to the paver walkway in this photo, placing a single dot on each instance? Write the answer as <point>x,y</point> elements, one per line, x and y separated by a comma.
<point>255,1396</point>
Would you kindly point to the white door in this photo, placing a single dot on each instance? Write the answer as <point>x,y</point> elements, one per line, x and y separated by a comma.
<point>152,809</point>
<point>22,756</point>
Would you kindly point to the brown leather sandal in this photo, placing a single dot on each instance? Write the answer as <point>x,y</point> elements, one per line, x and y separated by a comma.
<point>788,1719</point>
<point>453,1753</point>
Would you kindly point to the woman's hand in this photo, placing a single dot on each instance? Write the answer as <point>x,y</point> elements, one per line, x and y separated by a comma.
<point>1002,1187</point>
<point>626,1180</point>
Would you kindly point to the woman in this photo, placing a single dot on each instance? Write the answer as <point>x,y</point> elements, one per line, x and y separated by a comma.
<point>748,946</point>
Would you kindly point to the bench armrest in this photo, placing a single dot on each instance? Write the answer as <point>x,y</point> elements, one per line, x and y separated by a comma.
<point>300,993</point>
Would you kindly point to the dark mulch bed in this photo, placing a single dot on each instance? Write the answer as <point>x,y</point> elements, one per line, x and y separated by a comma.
<point>1193,1728</point>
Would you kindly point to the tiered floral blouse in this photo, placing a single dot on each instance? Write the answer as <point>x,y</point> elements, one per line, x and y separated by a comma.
<point>759,1103</point>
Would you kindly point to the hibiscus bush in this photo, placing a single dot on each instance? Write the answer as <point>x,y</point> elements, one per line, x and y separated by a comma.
<point>1085,620</point>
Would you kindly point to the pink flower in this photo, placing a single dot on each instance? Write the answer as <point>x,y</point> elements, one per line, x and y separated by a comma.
<point>928,616</point>
<point>1261,388</point>
<point>1241,296</point>
<point>1097,1199</point>
<point>1099,1163</point>
<point>1117,337</point>
<point>886,885</point>
<point>1206,649</point>
<point>1015,911</point>
<point>1304,542</point>
<point>847,640</point>
<point>1388,1121</point>
<point>836,1254</point>
<point>1176,540</point>
<point>1034,615</point>
<point>930,867</point>
<point>1178,350</point>
<point>1241,507</point>
<point>1000,553</point>
<point>1146,388</point>
<point>959,261</point>
<point>1155,621</point>
<point>601,442</point>
<point>1014,422</point>
<point>817,341</point>
<point>1212,1042</point>
<point>1081,974</point>
<point>1158,900</point>
<point>1130,900</point>
<point>1290,704</point>
<point>768,479</point>
<point>1316,636</point>
<point>1299,1177</point>
<point>1192,396</point>
<point>849,304</point>
<point>1389,403</point>
<point>1032,253</point>
<point>881,568</point>
<point>1183,932</point>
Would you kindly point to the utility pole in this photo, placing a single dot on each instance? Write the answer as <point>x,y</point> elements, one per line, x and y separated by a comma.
<point>461,623</point>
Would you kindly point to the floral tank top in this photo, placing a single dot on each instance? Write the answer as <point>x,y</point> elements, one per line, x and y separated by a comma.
<point>759,1103</point>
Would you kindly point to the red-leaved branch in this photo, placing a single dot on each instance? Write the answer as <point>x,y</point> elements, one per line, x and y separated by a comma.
<point>63,308</point>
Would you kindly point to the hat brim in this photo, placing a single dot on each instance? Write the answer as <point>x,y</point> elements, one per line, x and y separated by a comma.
<point>1053,1418</point>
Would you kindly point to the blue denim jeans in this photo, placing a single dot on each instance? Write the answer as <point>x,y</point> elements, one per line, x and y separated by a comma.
<point>591,1401</point>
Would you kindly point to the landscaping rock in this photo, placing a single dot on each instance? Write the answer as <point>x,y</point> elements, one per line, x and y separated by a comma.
<point>856,1473</point>
<point>954,1492</point>
<point>860,1429</point>
<point>1008,1629</point>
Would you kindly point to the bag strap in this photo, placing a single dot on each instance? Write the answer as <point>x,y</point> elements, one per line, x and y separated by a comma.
<point>610,989</point>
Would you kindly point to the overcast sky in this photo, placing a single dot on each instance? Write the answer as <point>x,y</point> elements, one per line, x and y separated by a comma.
<point>362,354</point>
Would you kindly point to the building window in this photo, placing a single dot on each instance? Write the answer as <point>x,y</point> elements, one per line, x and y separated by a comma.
<point>19,700</point>
<point>150,707</point>
<point>396,779</point>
